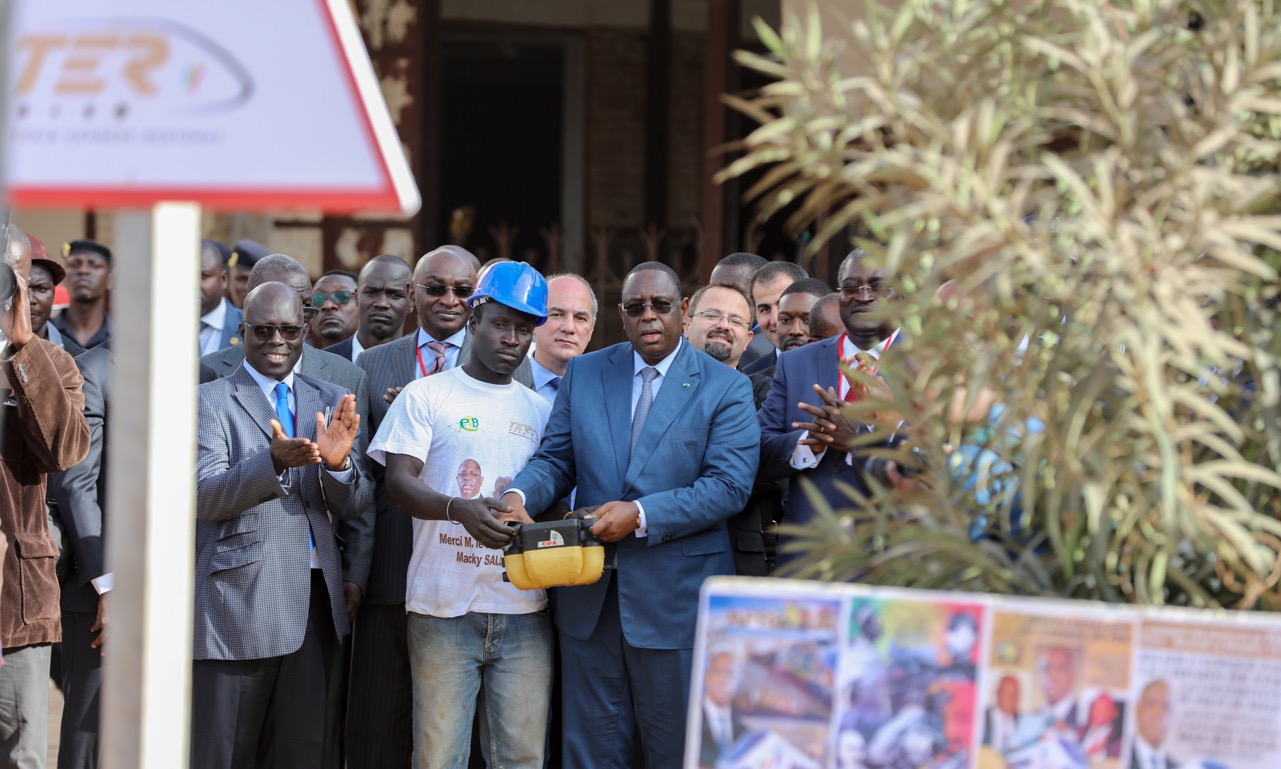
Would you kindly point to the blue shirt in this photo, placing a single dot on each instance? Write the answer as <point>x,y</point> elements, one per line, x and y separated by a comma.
<point>542,381</point>
<point>453,346</point>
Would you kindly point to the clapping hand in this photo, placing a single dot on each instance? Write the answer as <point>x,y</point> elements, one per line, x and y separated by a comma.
<point>333,441</point>
<point>289,452</point>
<point>831,425</point>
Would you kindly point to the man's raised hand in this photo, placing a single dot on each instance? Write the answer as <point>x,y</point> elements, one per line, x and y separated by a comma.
<point>333,441</point>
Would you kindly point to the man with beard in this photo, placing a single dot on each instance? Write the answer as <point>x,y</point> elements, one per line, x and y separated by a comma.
<point>219,318</point>
<point>719,322</point>
<point>333,297</point>
<point>46,274</point>
<point>737,270</point>
<point>469,631</point>
<point>382,300</point>
<point>794,308</point>
<point>89,268</point>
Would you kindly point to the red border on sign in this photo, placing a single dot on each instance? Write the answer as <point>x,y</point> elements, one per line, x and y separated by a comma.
<point>382,198</point>
<point>275,199</point>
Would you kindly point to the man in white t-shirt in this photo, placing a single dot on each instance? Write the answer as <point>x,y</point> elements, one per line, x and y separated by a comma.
<point>443,438</point>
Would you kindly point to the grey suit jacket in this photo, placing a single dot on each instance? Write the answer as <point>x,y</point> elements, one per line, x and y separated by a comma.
<point>394,364</point>
<point>358,534</point>
<point>253,578</point>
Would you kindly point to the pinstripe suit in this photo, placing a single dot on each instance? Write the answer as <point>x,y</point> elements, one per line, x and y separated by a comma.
<point>256,595</point>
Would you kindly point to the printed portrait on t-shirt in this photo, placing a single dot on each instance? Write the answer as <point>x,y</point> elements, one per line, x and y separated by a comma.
<point>470,479</point>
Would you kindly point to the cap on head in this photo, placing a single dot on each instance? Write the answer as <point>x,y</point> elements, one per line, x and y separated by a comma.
<point>87,247</point>
<point>222,249</point>
<point>516,285</point>
<point>40,258</point>
<point>246,253</point>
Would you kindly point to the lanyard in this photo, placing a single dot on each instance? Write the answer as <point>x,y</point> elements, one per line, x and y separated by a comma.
<point>422,367</point>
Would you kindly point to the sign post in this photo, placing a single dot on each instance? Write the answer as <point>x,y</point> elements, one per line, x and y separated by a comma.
<point>147,681</point>
<point>162,109</point>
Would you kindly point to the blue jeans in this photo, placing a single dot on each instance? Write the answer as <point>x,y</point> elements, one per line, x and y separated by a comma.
<point>505,657</point>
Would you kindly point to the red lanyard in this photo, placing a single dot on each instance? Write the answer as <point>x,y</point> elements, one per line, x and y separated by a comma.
<point>419,352</point>
<point>439,363</point>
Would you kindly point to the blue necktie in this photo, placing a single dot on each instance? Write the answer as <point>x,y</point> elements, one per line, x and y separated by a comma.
<point>286,418</point>
<point>283,413</point>
<point>643,405</point>
<point>554,383</point>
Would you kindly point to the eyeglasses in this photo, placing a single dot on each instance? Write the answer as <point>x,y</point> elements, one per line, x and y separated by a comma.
<point>340,298</point>
<point>309,312</point>
<point>716,316</point>
<point>436,289</point>
<point>637,309</point>
<point>287,333</point>
<point>876,288</point>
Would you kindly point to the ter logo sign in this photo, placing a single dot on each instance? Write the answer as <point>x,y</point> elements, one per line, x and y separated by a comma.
<point>133,102</point>
<point>122,67</point>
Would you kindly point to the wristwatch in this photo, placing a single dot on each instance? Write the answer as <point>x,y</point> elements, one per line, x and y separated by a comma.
<point>346,465</point>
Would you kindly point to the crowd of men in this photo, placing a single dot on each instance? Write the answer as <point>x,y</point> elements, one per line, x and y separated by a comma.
<point>355,485</point>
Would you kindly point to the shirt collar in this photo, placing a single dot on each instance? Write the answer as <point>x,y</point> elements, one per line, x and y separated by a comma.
<point>268,384</point>
<point>456,340</point>
<point>52,334</point>
<point>663,365</point>
<point>849,349</point>
<point>1147,753</point>
<point>356,347</point>
<point>541,375</point>
<point>217,316</point>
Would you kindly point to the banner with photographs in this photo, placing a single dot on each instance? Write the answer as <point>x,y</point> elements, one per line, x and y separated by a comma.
<point>804,675</point>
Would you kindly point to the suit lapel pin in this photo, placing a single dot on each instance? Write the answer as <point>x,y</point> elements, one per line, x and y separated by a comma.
<point>685,384</point>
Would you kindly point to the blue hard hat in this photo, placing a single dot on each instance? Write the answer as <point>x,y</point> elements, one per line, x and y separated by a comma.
<point>516,285</point>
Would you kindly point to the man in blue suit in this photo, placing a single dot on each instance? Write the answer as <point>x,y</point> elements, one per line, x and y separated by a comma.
<point>803,432</point>
<point>662,443</point>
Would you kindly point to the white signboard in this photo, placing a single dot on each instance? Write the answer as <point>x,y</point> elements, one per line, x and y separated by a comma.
<point>236,104</point>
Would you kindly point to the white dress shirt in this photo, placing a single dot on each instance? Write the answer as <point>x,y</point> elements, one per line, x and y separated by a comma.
<point>804,457</point>
<point>211,328</point>
<point>356,347</point>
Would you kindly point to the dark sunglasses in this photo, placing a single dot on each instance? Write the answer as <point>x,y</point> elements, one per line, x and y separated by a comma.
<point>436,289</point>
<point>340,298</point>
<point>287,333</point>
<point>637,309</point>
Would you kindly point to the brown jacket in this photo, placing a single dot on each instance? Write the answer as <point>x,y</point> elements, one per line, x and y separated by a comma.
<point>43,430</point>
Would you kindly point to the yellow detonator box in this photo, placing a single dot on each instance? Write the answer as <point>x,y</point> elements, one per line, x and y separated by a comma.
<point>554,554</point>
